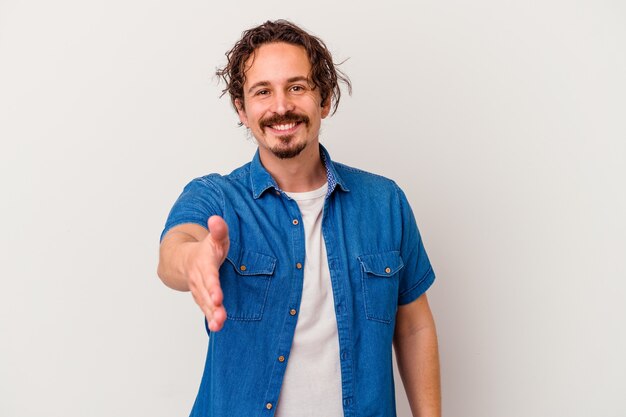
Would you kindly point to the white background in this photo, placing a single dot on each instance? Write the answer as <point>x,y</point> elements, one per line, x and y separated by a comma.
<point>503,121</point>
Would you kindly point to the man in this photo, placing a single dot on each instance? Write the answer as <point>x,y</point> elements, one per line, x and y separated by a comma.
<point>306,270</point>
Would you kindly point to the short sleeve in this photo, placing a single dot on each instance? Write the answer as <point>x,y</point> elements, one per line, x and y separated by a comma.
<point>417,275</point>
<point>199,200</point>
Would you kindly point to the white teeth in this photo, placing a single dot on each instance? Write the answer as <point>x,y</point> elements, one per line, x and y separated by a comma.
<point>284,127</point>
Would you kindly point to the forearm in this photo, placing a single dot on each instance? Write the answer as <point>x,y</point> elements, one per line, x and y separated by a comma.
<point>172,254</point>
<point>418,362</point>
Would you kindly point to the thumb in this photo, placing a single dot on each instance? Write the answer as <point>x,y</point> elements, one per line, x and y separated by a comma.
<point>218,231</point>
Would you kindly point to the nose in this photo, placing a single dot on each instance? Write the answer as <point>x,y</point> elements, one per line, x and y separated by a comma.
<point>282,103</point>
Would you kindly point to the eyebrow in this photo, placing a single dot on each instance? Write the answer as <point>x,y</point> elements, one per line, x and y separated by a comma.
<point>267,83</point>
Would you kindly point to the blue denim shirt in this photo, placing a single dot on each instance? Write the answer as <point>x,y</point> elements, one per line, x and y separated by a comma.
<point>376,261</point>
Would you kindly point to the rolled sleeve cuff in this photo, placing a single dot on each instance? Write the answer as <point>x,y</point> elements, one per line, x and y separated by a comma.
<point>418,289</point>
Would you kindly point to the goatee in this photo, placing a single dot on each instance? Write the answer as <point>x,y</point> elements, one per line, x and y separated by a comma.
<point>287,152</point>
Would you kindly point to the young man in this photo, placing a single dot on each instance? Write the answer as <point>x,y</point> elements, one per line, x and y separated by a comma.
<point>306,270</point>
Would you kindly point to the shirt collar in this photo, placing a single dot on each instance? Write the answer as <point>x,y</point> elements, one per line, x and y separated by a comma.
<point>261,180</point>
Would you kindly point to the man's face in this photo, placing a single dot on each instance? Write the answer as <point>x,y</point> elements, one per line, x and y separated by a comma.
<point>280,106</point>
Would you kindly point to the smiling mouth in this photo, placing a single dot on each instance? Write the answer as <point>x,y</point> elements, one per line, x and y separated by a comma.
<point>284,129</point>
<point>285,126</point>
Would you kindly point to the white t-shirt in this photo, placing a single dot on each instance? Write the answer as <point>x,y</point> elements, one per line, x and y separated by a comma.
<point>312,383</point>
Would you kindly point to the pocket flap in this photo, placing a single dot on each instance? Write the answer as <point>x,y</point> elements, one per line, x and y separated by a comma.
<point>382,264</point>
<point>247,262</point>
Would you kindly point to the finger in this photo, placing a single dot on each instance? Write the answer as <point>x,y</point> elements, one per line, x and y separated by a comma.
<point>217,296</point>
<point>218,231</point>
<point>218,312</point>
<point>217,321</point>
<point>206,309</point>
<point>201,295</point>
<point>211,282</point>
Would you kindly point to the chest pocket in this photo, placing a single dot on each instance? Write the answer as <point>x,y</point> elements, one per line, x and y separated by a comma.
<point>381,280</point>
<point>245,278</point>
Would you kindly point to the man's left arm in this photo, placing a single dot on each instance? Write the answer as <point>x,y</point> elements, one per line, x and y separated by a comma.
<point>415,343</point>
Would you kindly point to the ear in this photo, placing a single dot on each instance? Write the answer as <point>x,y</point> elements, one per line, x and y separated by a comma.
<point>243,117</point>
<point>326,107</point>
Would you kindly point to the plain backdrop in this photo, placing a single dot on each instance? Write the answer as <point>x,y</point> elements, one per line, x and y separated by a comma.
<point>504,122</point>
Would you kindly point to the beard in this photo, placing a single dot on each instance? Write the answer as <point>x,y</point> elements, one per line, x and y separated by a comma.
<point>284,151</point>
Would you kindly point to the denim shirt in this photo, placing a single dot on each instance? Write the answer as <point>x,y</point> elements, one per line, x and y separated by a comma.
<point>376,260</point>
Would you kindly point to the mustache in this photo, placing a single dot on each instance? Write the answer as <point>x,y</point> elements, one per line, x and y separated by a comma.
<point>288,117</point>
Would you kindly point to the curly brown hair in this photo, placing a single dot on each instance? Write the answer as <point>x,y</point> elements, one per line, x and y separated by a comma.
<point>324,72</point>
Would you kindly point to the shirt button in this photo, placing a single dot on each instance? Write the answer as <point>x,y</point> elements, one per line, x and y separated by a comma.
<point>281,358</point>
<point>268,406</point>
<point>299,265</point>
<point>277,192</point>
<point>295,222</point>
<point>387,270</point>
<point>293,311</point>
<point>242,267</point>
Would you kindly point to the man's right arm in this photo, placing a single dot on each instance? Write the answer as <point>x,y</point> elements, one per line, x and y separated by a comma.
<point>189,260</point>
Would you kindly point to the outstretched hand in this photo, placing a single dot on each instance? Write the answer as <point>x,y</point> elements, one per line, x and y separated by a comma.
<point>202,267</point>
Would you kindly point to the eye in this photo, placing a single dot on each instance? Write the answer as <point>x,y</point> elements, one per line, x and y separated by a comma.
<point>262,93</point>
<point>297,88</point>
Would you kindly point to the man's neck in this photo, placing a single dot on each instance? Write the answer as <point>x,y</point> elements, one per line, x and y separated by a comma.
<point>304,172</point>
